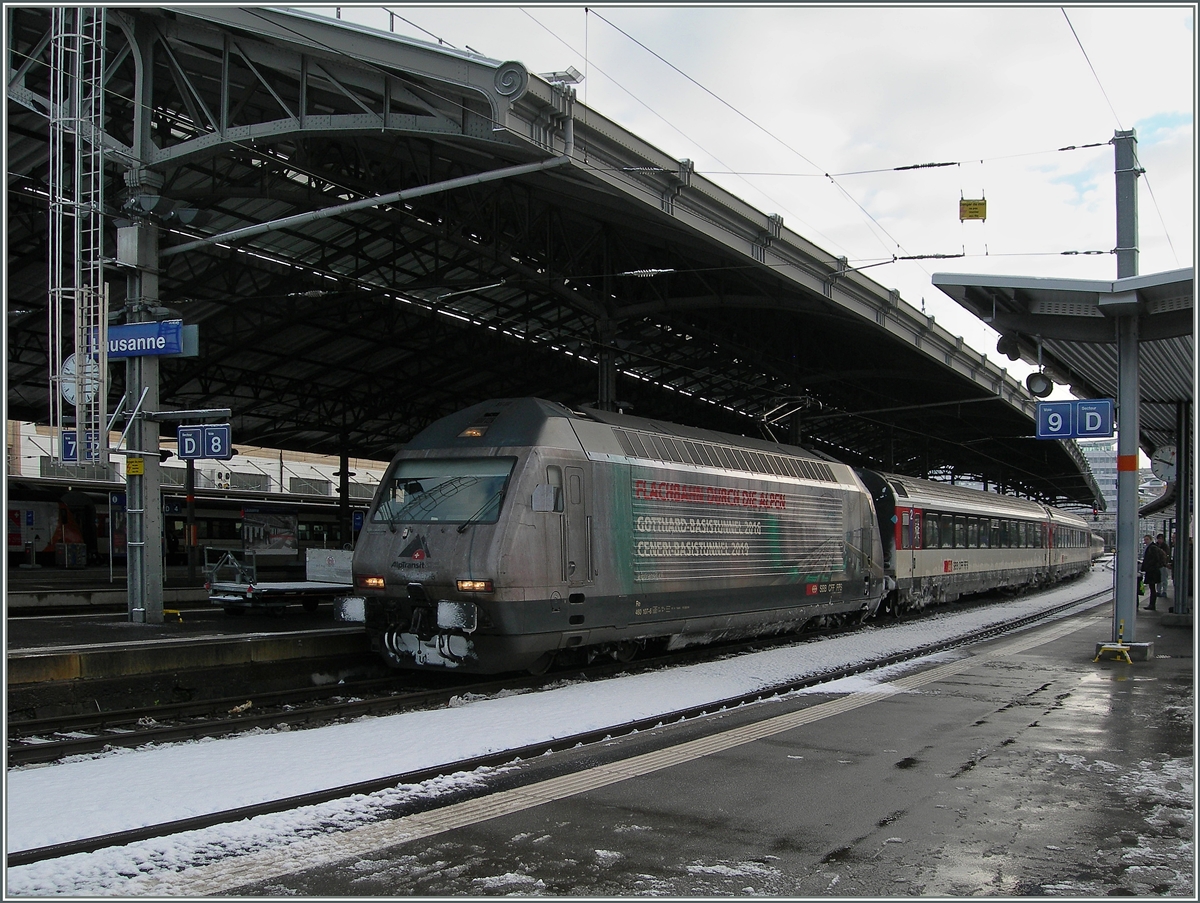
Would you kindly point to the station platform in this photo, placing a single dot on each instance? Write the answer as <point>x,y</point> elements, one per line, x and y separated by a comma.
<point>69,642</point>
<point>29,590</point>
<point>103,647</point>
<point>1017,767</point>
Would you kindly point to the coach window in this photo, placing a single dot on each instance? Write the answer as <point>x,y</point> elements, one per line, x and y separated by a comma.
<point>931,532</point>
<point>947,527</point>
<point>973,533</point>
<point>960,533</point>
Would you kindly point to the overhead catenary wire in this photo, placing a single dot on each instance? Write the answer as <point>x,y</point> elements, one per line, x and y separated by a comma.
<point>862,172</point>
<point>761,128</point>
<point>906,167</point>
<point>1116,117</point>
<point>589,64</point>
<point>1075,34</point>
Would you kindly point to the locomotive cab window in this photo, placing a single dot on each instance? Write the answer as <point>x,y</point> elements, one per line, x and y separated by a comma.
<point>448,490</point>
<point>548,496</point>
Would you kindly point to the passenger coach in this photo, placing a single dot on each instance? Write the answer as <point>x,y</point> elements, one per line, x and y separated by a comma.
<point>943,541</point>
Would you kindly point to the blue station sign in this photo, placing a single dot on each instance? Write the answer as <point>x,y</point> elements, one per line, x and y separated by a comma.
<point>69,449</point>
<point>1082,418</point>
<point>144,339</point>
<point>213,440</point>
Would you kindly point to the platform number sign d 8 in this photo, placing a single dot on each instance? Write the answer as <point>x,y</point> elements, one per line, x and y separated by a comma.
<point>210,441</point>
<point>217,443</point>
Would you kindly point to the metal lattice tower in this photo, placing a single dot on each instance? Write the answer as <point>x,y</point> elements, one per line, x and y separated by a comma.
<point>78,303</point>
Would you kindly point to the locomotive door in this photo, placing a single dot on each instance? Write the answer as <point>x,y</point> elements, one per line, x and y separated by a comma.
<point>578,531</point>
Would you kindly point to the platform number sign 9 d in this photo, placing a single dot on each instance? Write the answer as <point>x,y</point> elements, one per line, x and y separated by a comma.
<point>1078,419</point>
<point>209,441</point>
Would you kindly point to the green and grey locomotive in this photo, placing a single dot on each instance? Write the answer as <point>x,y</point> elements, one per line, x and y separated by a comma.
<point>519,531</point>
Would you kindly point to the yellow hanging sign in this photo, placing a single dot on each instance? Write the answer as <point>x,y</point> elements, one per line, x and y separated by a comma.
<point>135,467</point>
<point>972,209</point>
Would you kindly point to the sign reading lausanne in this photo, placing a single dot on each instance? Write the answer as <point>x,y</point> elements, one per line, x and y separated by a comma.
<point>142,339</point>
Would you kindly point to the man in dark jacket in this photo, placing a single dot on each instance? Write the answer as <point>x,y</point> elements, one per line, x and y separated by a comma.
<point>1153,560</point>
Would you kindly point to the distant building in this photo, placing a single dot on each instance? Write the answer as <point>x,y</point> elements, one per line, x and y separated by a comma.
<point>1101,456</point>
<point>264,470</point>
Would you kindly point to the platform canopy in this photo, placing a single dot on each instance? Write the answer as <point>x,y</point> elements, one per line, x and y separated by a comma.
<point>351,329</point>
<point>1075,322</point>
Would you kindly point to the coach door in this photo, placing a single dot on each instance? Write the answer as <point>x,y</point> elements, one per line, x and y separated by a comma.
<point>578,531</point>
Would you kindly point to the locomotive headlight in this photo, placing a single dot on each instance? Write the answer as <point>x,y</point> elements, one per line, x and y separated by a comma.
<point>474,586</point>
<point>370,582</point>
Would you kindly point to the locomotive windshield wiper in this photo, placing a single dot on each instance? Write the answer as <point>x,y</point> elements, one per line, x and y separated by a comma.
<point>486,505</point>
<point>426,500</point>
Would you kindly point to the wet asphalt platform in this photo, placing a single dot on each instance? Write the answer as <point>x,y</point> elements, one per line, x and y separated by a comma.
<point>1018,767</point>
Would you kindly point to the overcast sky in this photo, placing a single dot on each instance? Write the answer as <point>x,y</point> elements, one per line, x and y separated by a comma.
<point>767,100</point>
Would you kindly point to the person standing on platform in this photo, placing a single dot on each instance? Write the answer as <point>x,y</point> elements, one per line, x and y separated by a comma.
<point>1147,541</point>
<point>1161,542</point>
<point>1152,564</point>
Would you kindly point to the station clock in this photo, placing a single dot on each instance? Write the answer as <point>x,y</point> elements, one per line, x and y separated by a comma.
<point>90,380</point>
<point>1162,463</point>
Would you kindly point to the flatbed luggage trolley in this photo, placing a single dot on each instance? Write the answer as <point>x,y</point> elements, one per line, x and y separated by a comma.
<point>234,586</point>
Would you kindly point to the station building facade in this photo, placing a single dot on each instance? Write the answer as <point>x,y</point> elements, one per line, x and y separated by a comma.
<point>29,453</point>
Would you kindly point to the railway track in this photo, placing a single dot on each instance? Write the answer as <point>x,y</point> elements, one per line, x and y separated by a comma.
<point>33,741</point>
<point>507,756</point>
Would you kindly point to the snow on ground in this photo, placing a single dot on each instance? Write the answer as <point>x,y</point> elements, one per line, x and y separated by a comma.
<point>124,789</point>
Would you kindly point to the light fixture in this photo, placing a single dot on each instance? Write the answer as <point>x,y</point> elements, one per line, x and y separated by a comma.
<point>474,586</point>
<point>1039,384</point>
<point>571,76</point>
<point>1008,347</point>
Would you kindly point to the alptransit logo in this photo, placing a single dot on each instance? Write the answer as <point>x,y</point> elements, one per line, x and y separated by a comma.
<point>416,550</point>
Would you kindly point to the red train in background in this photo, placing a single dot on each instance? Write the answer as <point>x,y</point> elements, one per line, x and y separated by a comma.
<point>61,522</point>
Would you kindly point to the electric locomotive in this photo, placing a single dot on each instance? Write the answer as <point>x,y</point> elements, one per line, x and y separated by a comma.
<point>520,530</point>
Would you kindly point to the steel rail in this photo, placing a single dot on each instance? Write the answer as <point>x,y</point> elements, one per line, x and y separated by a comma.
<point>120,838</point>
<point>142,725</point>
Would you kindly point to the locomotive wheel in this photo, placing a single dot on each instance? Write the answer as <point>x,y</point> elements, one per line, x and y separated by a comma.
<point>542,665</point>
<point>625,652</point>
